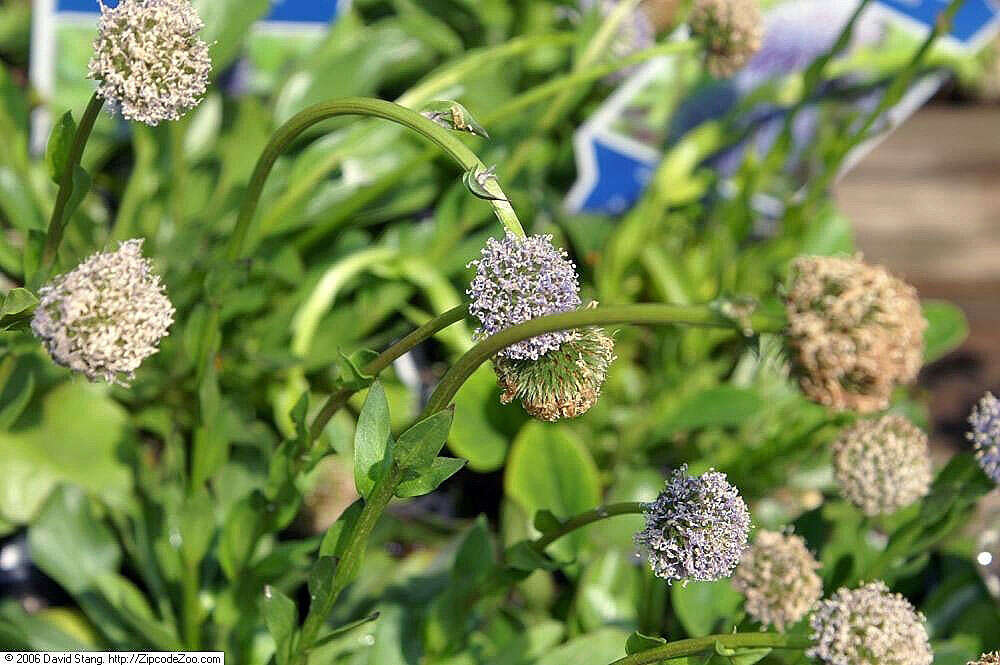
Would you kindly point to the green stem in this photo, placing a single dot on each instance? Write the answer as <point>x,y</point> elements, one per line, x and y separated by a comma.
<point>378,108</point>
<point>650,314</point>
<point>57,225</point>
<point>697,645</point>
<point>357,201</point>
<point>337,400</point>
<point>191,614</point>
<point>589,517</point>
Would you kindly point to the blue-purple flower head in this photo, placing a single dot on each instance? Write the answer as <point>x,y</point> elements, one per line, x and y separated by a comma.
<point>519,279</point>
<point>697,529</point>
<point>985,434</point>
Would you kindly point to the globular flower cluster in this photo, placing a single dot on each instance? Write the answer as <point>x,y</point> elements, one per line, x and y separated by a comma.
<point>519,279</point>
<point>696,529</point>
<point>148,59</point>
<point>732,29</point>
<point>778,578</point>
<point>855,331</point>
<point>106,316</point>
<point>564,383</point>
<point>992,658</point>
<point>882,465</point>
<point>869,626</point>
<point>985,434</point>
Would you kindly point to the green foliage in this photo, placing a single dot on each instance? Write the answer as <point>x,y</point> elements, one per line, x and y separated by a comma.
<point>196,509</point>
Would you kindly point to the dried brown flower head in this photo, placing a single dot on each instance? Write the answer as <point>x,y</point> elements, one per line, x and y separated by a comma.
<point>777,575</point>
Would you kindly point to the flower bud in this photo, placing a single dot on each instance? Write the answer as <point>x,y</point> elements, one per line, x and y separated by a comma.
<point>882,465</point>
<point>106,316</point>
<point>696,529</point>
<point>732,29</point>
<point>148,60</point>
<point>564,383</point>
<point>519,279</point>
<point>855,332</point>
<point>778,578</point>
<point>869,626</point>
<point>985,434</point>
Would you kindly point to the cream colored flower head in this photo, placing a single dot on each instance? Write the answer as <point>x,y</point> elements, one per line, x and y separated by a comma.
<point>777,576</point>
<point>733,31</point>
<point>882,465</point>
<point>106,316</point>
<point>148,60</point>
<point>855,332</point>
<point>869,626</point>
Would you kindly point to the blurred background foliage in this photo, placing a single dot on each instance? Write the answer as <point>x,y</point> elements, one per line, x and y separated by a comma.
<point>363,233</point>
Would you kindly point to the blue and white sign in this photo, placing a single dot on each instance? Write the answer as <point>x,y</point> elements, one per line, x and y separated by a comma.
<point>283,11</point>
<point>976,22</point>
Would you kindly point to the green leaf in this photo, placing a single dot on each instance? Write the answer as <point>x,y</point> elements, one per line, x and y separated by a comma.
<point>227,23</point>
<point>240,533</point>
<point>350,373</point>
<point>196,524</point>
<point>335,539</point>
<point>550,469</point>
<point>478,435</point>
<point>14,398</point>
<point>282,618</point>
<point>135,611</point>
<point>608,592</point>
<point>747,656</point>
<point>58,148</point>
<point>947,328</point>
<point>347,627</point>
<point>602,646</point>
<point>429,479</point>
<point>418,446</point>
<point>545,521</point>
<point>70,545</point>
<point>371,440</point>
<point>16,308</point>
<point>704,608</point>
<point>721,406</point>
<point>475,557</point>
<point>522,556</point>
<point>637,643</point>
<point>321,587</point>
<point>20,630</point>
<point>88,449</point>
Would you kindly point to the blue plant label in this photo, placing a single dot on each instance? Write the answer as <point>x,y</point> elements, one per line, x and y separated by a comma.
<point>976,22</point>
<point>282,11</point>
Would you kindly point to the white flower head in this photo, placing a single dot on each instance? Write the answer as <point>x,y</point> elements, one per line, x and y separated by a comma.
<point>106,316</point>
<point>148,60</point>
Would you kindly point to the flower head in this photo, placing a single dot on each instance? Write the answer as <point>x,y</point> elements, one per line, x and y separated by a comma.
<point>733,31</point>
<point>992,658</point>
<point>985,434</point>
<point>105,316</point>
<point>519,279</point>
<point>855,332</point>
<point>564,383</point>
<point>778,578</point>
<point>882,465</point>
<point>697,528</point>
<point>148,59</point>
<point>869,626</point>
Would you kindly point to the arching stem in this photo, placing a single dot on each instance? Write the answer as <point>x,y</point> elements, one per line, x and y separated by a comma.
<point>587,518</point>
<point>699,645</point>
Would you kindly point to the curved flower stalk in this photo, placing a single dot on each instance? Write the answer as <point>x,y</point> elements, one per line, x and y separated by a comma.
<point>106,316</point>
<point>778,578</point>
<point>732,29</point>
<point>148,60</point>
<point>869,626</point>
<point>855,331</point>
<point>696,529</point>
<point>882,465</point>
<point>985,434</point>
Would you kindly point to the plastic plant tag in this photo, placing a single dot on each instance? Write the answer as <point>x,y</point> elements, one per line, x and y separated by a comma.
<point>618,148</point>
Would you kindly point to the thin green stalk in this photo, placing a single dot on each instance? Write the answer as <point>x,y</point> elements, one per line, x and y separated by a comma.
<point>178,172</point>
<point>57,223</point>
<point>337,400</point>
<point>650,314</point>
<point>378,108</point>
<point>586,518</point>
<point>596,49</point>
<point>191,611</point>
<point>697,645</point>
